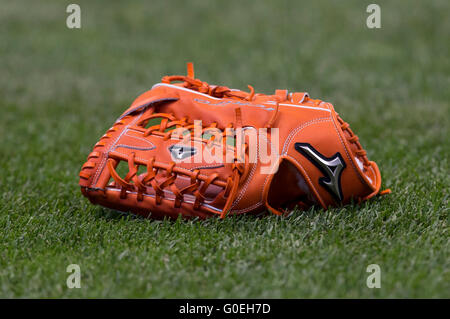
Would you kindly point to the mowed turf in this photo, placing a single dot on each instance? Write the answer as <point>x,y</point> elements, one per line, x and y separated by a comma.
<point>61,89</point>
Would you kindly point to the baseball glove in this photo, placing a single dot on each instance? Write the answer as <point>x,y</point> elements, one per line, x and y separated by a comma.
<point>200,150</point>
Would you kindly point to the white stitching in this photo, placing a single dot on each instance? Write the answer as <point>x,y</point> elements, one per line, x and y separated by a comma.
<point>244,189</point>
<point>247,182</point>
<point>137,137</point>
<point>103,161</point>
<point>244,210</point>
<point>290,137</point>
<point>301,127</point>
<point>348,155</point>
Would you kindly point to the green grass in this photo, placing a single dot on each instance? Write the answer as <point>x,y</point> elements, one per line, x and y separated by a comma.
<point>61,89</point>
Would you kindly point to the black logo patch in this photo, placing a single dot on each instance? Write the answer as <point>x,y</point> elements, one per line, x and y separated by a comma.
<point>331,167</point>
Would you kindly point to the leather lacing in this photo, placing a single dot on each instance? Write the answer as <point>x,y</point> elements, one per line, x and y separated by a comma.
<point>189,82</point>
<point>168,173</point>
<point>360,152</point>
<point>222,91</point>
<point>217,91</point>
<point>170,125</point>
<point>101,143</point>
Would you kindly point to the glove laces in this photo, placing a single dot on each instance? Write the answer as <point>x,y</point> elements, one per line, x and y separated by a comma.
<point>161,176</point>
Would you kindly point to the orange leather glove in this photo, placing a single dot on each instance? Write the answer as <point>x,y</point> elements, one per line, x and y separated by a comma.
<point>250,153</point>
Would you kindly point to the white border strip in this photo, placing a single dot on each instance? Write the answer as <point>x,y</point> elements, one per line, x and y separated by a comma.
<point>214,98</point>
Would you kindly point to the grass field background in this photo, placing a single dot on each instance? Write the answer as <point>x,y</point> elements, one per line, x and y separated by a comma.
<point>61,89</point>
